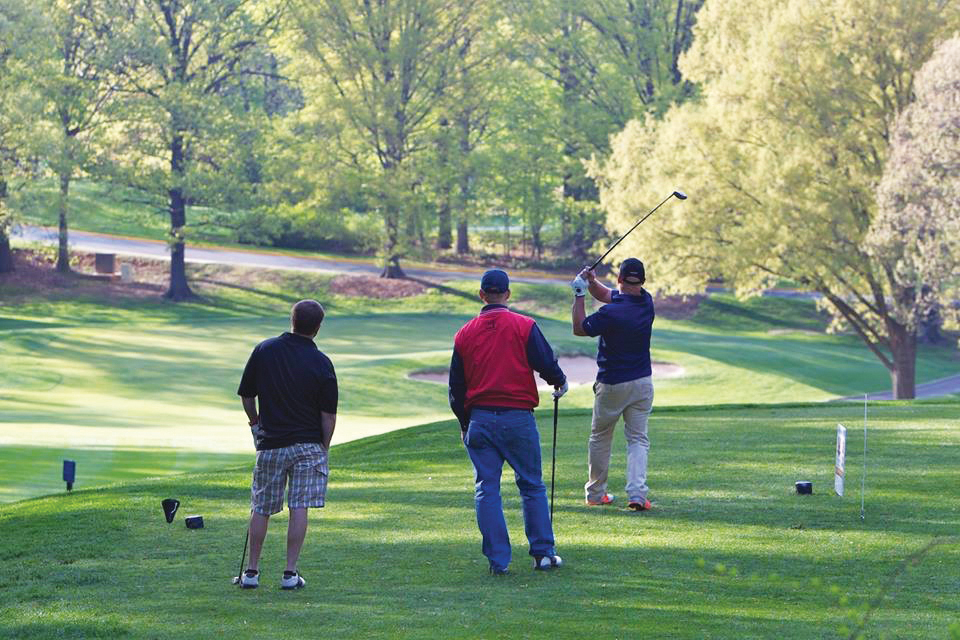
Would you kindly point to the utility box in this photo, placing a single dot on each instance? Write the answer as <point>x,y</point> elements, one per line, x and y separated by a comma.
<point>126,273</point>
<point>105,263</point>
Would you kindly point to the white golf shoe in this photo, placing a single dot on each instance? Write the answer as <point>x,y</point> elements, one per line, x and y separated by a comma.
<point>545,563</point>
<point>250,579</point>
<point>292,580</point>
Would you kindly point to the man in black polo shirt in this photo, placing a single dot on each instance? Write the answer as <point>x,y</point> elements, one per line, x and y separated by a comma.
<point>296,388</point>
<point>624,385</point>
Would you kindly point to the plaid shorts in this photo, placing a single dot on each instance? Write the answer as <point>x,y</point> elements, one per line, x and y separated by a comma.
<point>304,464</point>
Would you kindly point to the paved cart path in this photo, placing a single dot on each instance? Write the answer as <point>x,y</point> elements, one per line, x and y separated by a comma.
<point>122,245</point>
<point>941,387</point>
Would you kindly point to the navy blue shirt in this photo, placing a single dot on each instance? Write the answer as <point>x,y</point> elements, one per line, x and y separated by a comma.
<point>293,382</point>
<point>624,328</point>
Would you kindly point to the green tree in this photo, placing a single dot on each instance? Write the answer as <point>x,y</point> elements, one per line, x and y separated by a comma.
<point>611,61</point>
<point>389,63</point>
<point>782,156</point>
<point>20,44</point>
<point>476,87</point>
<point>185,116</point>
<point>917,226</point>
<point>79,82</point>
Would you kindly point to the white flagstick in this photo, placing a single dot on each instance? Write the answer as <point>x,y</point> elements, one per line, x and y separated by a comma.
<point>863,473</point>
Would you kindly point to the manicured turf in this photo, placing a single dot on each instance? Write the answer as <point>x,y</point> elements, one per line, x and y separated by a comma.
<point>133,388</point>
<point>729,552</point>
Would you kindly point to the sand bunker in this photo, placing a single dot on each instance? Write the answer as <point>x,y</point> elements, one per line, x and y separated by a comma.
<point>579,370</point>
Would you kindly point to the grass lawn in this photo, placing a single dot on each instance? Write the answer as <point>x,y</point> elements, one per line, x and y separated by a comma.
<point>730,551</point>
<point>136,387</point>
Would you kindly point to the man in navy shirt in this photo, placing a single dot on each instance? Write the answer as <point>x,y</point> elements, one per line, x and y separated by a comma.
<point>624,386</point>
<point>289,392</point>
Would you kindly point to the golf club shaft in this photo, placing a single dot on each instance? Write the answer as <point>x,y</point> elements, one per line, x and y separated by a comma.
<point>553,465</point>
<point>243,556</point>
<point>600,259</point>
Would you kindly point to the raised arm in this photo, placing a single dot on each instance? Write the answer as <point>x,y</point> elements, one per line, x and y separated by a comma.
<point>596,289</point>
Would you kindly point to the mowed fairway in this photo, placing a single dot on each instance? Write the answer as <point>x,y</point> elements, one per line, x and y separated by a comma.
<point>730,551</point>
<point>136,388</point>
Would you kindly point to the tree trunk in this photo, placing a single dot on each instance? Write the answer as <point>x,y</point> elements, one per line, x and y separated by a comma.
<point>444,222</point>
<point>463,238</point>
<point>536,240</point>
<point>391,264</point>
<point>903,348</point>
<point>63,252</point>
<point>179,289</point>
<point>6,255</point>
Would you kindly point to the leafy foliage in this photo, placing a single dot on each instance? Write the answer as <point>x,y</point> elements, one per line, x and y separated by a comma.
<point>781,158</point>
<point>917,227</point>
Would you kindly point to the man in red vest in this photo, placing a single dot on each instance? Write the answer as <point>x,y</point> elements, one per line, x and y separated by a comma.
<point>493,393</point>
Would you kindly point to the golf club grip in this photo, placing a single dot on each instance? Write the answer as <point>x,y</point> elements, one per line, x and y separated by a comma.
<point>600,259</point>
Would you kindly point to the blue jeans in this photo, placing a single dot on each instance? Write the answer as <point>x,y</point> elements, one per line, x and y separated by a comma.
<point>492,438</point>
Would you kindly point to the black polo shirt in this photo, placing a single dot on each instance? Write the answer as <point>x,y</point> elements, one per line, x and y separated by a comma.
<point>293,382</point>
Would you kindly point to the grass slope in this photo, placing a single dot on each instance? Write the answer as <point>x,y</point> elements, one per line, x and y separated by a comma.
<point>131,388</point>
<point>729,552</point>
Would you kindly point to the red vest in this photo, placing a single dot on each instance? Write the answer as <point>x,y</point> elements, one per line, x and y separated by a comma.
<point>493,347</point>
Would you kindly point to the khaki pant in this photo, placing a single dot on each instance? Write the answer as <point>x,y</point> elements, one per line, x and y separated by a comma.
<point>633,400</point>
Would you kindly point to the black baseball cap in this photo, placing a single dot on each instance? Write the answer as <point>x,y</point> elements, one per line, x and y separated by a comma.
<point>495,281</point>
<point>632,272</point>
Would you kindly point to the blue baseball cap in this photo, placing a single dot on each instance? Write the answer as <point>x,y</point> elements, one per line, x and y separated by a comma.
<point>495,281</point>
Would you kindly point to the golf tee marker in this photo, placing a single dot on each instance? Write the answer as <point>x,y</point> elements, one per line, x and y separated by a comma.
<point>841,457</point>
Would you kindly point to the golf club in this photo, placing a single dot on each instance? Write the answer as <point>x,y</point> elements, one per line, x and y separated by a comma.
<point>243,557</point>
<point>680,195</point>
<point>553,466</point>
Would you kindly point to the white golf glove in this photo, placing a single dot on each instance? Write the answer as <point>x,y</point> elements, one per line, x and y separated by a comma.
<point>559,391</point>
<point>579,286</point>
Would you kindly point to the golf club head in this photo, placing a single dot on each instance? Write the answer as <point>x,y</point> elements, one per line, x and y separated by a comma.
<point>236,580</point>
<point>170,506</point>
<point>680,195</point>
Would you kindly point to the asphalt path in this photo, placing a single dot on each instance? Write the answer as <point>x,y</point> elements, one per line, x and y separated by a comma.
<point>942,387</point>
<point>102,243</point>
<point>121,245</point>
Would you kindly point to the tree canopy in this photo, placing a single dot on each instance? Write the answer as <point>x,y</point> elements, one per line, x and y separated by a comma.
<point>782,156</point>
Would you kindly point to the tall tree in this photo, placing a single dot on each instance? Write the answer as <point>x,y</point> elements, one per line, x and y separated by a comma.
<point>917,226</point>
<point>611,61</point>
<point>80,87</point>
<point>390,63</point>
<point>21,33</point>
<point>476,86</point>
<point>185,118</point>
<point>782,157</point>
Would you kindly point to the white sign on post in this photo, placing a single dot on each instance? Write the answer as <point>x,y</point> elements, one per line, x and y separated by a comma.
<point>841,458</point>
